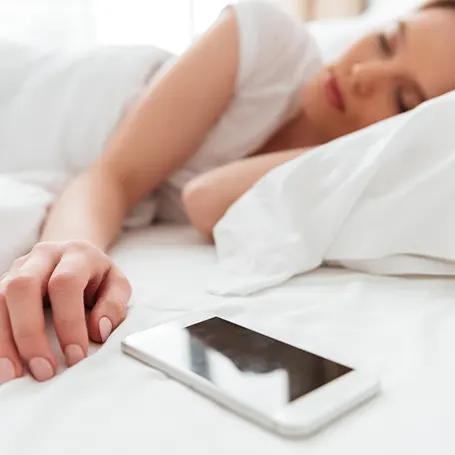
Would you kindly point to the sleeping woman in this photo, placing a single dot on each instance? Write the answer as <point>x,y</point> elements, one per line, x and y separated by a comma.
<point>249,95</point>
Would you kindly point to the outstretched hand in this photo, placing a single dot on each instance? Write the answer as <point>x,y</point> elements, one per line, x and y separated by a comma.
<point>71,276</point>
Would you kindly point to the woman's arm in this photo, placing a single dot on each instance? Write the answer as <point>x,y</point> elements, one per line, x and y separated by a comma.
<point>207,198</point>
<point>155,138</point>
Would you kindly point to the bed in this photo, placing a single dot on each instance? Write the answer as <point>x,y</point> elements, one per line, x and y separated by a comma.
<point>112,404</point>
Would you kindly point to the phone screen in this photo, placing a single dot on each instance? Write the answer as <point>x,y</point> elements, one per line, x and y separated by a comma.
<point>260,371</point>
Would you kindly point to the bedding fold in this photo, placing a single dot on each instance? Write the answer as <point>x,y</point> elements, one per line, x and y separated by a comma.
<point>379,200</point>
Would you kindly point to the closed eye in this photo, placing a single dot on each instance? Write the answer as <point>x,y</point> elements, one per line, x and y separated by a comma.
<point>384,44</point>
<point>401,105</point>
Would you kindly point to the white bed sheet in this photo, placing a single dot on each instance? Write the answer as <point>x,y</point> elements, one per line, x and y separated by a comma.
<point>112,404</point>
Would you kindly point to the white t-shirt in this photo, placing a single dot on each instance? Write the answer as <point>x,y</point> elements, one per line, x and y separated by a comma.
<point>277,57</point>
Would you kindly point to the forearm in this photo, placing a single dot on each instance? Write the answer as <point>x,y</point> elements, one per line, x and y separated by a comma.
<point>91,208</point>
<point>156,136</point>
<point>208,197</point>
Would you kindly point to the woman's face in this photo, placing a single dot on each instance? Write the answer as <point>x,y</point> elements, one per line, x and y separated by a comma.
<point>384,74</point>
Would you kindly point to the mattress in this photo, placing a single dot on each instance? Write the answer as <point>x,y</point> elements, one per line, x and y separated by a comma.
<point>112,404</point>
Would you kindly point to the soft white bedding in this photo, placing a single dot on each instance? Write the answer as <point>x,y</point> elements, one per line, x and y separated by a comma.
<point>111,404</point>
<point>378,200</point>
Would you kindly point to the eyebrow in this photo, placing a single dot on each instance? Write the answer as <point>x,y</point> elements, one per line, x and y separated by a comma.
<point>403,33</point>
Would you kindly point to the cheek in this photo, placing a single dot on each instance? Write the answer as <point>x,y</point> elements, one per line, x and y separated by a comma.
<point>373,111</point>
<point>333,124</point>
<point>314,100</point>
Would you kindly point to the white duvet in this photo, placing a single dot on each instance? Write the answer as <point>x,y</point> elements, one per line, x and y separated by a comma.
<point>110,404</point>
<point>379,200</point>
<point>57,110</point>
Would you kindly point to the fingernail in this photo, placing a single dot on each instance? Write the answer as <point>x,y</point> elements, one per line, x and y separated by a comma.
<point>105,328</point>
<point>74,354</point>
<point>7,372</point>
<point>41,369</point>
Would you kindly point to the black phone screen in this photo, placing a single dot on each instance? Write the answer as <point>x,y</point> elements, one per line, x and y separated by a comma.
<point>254,368</point>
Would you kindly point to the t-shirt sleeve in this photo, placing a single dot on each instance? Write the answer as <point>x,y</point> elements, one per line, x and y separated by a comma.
<point>274,47</point>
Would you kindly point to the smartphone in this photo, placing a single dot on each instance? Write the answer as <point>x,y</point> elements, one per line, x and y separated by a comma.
<point>281,387</point>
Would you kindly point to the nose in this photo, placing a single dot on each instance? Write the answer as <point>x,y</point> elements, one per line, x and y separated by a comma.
<point>367,78</point>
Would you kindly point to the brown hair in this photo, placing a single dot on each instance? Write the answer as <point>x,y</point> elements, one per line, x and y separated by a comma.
<point>439,4</point>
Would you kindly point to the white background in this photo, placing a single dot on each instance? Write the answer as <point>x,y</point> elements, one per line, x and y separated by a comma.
<point>170,24</point>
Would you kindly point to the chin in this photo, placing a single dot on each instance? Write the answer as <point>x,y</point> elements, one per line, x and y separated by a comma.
<point>321,115</point>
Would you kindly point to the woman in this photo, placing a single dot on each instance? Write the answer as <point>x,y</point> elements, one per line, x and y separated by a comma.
<point>253,85</point>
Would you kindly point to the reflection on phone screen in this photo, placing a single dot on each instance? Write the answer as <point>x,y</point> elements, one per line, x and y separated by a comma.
<point>264,372</point>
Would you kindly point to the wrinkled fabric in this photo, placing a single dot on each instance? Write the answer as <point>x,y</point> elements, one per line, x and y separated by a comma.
<point>111,404</point>
<point>379,200</point>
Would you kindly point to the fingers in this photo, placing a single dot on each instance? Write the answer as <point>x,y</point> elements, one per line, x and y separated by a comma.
<point>10,361</point>
<point>68,273</point>
<point>23,290</point>
<point>80,270</point>
<point>111,307</point>
<point>84,271</point>
<point>66,293</point>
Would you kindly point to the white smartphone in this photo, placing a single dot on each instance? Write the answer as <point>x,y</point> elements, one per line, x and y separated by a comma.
<point>282,387</point>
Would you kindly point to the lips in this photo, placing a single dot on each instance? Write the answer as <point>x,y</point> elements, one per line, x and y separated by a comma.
<point>334,94</point>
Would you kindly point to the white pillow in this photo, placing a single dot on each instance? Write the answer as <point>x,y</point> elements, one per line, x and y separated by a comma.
<point>378,200</point>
